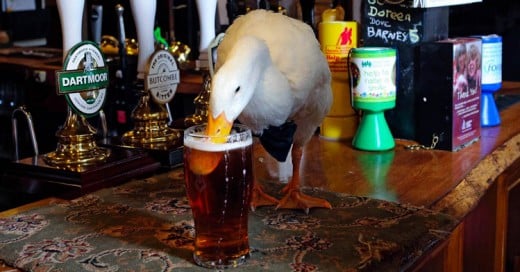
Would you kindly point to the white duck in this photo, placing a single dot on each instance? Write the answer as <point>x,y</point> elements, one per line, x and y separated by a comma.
<point>270,71</point>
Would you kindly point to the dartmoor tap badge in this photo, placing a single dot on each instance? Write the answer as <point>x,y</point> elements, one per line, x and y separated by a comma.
<point>84,78</point>
<point>162,76</point>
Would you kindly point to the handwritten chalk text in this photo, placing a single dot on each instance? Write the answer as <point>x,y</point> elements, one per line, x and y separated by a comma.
<point>389,14</point>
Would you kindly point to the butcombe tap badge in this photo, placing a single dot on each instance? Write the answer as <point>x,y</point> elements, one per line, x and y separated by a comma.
<point>84,78</point>
<point>162,76</point>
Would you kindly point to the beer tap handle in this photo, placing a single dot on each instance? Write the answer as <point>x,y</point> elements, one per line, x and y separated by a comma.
<point>96,22</point>
<point>121,25</point>
<point>308,11</point>
<point>171,22</point>
<point>71,14</point>
<point>121,73</point>
<point>264,4</point>
<point>232,10</point>
<point>207,10</point>
<point>144,16</point>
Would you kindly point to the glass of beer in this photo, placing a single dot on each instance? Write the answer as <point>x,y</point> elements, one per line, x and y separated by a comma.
<point>219,183</point>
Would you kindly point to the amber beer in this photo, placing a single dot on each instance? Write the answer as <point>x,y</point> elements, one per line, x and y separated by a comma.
<point>219,182</point>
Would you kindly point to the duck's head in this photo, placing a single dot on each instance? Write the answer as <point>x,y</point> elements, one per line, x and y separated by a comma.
<point>234,84</point>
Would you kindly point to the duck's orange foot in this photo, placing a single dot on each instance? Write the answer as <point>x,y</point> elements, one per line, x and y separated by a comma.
<point>294,199</point>
<point>260,198</point>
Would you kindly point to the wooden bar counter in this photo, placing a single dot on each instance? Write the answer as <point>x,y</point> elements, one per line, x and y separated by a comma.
<point>477,185</point>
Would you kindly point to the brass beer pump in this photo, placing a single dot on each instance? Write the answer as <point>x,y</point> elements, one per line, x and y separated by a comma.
<point>151,118</point>
<point>77,147</point>
<point>151,130</point>
<point>79,165</point>
<point>201,103</point>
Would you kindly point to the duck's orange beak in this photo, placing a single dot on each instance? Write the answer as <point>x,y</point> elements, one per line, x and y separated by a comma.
<point>218,128</point>
<point>203,163</point>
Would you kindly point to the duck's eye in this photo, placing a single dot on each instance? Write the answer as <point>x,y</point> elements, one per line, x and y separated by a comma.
<point>237,89</point>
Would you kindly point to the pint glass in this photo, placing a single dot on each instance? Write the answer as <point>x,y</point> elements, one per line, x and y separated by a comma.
<point>219,183</point>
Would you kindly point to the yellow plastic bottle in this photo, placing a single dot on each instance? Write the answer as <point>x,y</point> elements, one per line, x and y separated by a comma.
<point>336,38</point>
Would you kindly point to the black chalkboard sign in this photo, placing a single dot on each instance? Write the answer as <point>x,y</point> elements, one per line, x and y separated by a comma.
<point>393,23</point>
<point>389,24</point>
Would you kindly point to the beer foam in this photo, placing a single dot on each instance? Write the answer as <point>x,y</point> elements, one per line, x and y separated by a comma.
<point>196,138</point>
<point>205,144</point>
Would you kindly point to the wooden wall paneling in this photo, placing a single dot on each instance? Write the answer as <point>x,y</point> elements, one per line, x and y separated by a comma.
<point>501,223</point>
<point>480,232</point>
<point>453,255</point>
<point>512,247</point>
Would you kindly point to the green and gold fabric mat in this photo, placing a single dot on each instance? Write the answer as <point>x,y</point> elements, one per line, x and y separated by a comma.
<point>146,225</point>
